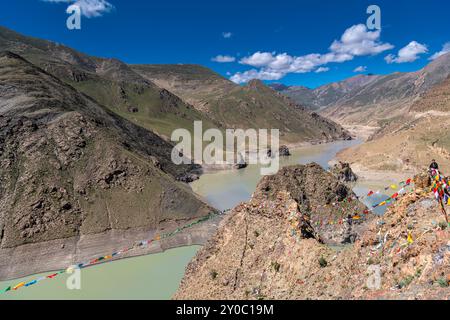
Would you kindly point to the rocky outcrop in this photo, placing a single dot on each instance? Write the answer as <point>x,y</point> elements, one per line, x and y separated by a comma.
<point>271,247</point>
<point>422,180</point>
<point>132,109</point>
<point>325,202</point>
<point>344,172</point>
<point>188,177</point>
<point>284,151</point>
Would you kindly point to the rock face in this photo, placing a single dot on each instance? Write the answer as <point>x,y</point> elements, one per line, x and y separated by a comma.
<point>68,167</point>
<point>271,247</point>
<point>344,173</point>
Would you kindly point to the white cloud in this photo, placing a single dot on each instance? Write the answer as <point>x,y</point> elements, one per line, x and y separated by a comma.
<point>242,77</point>
<point>258,59</point>
<point>227,35</point>
<point>358,41</point>
<point>445,50</point>
<point>322,69</point>
<point>89,8</point>
<point>409,53</point>
<point>360,69</point>
<point>355,41</point>
<point>223,59</point>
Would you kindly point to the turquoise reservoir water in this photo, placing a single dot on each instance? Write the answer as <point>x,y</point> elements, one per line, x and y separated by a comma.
<point>154,277</point>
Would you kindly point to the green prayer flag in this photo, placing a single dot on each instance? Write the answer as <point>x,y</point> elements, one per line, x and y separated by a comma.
<point>6,290</point>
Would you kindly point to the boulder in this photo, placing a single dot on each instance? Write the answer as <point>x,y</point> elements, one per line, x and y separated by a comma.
<point>188,177</point>
<point>132,109</point>
<point>422,180</point>
<point>284,151</point>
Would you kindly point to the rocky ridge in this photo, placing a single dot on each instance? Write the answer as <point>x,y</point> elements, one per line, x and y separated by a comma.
<point>268,249</point>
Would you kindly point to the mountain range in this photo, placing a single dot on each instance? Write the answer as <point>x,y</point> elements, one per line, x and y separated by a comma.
<point>371,99</point>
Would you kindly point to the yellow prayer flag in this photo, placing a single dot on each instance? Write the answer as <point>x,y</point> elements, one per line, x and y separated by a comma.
<point>19,286</point>
<point>410,239</point>
<point>393,186</point>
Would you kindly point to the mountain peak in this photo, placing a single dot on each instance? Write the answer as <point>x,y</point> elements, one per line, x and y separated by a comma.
<point>279,86</point>
<point>256,84</point>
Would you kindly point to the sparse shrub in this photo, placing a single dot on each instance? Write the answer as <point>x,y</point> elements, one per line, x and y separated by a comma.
<point>276,266</point>
<point>405,282</point>
<point>260,297</point>
<point>443,225</point>
<point>323,263</point>
<point>418,272</point>
<point>442,282</point>
<point>256,233</point>
<point>213,274</point>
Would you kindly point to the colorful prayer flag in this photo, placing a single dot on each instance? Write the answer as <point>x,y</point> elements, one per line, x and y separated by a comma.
<point>20,285</point>
<point>410,239</point>
<point>6,290</point>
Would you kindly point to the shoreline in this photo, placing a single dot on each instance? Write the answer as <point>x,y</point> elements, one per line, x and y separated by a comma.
<point>205,169</point>
<point>31,259</point>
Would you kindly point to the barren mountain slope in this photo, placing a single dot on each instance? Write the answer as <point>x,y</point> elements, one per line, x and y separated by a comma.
<point>410,142</point>
<point>70,167</point>
<point>388,97</point>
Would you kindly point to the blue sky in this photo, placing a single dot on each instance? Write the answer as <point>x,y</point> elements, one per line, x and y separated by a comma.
<point>293,42</point>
